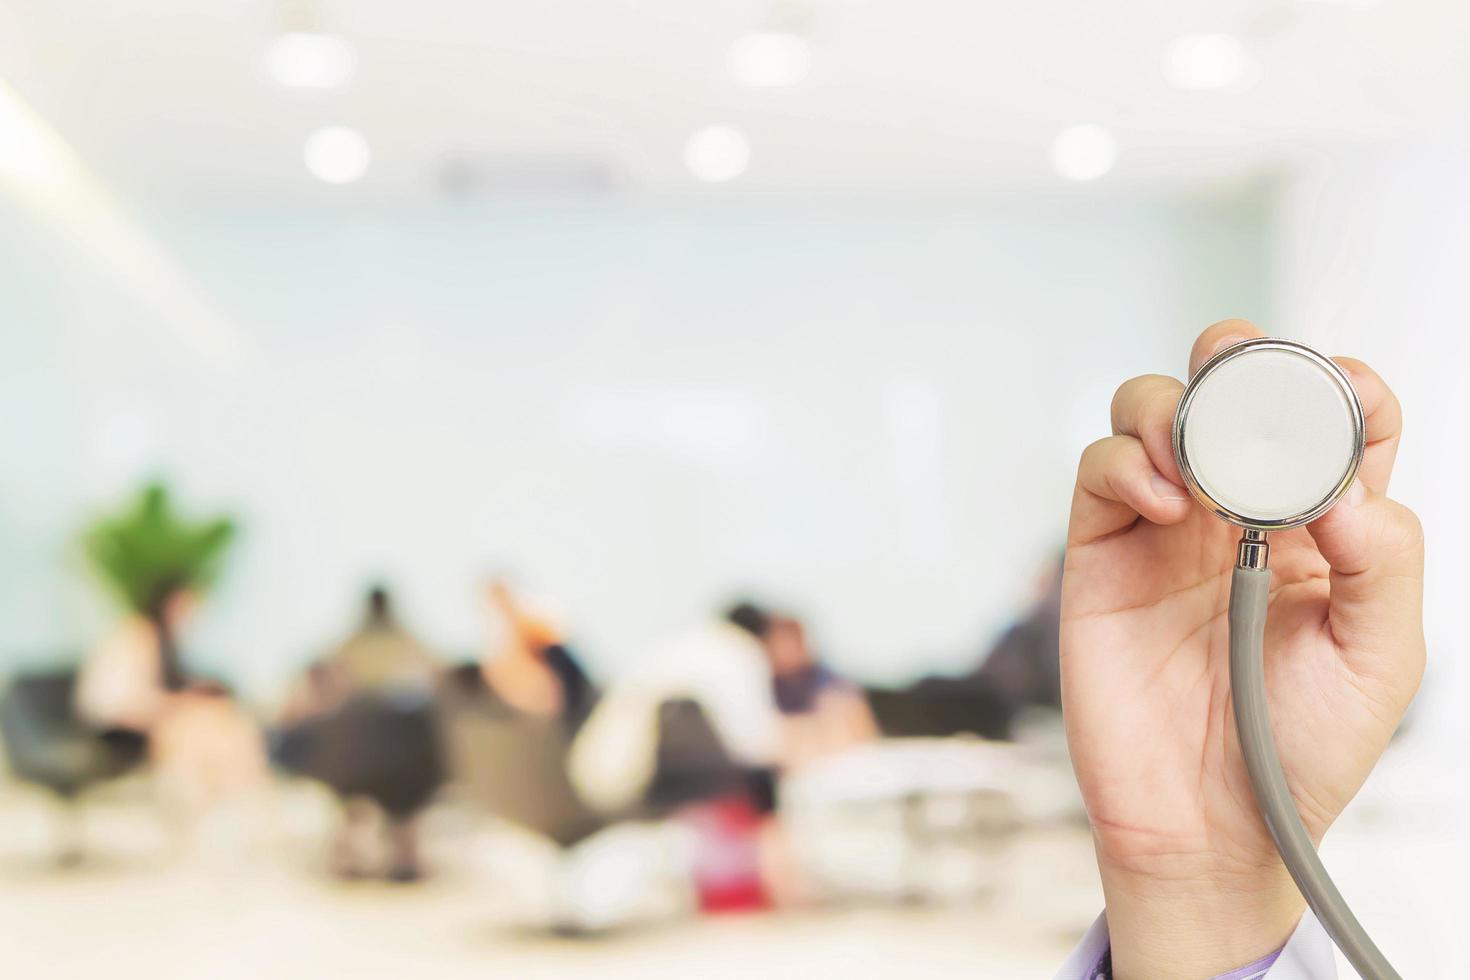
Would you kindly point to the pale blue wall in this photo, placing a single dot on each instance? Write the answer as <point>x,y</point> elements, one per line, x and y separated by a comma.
<point>872,409</point>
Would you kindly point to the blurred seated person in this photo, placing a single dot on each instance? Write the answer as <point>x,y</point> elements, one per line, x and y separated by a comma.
<point>1024,667</point>
<point>528,665</point>
<point>380,657</point>
<point>205,749</point>
<point>208,754</point>
<point>124,679</point>
<point>694,733</point>
<point>361,720</point>
<point>821,713</point>
<point>1020,670</point>
<point>713,678</point>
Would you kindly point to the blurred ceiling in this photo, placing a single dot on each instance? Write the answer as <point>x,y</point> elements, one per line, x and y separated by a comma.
<point>928,96</point>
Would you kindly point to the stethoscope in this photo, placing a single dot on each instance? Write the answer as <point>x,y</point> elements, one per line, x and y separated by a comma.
<point>1269,435</point>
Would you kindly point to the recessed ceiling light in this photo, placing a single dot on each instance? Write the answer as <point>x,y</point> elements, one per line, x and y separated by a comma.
<point>1084,152</point>
<point>717,153</point>
<point>1210,62</point>
<point>337,154</point>
<point>308,59</point>
<point>769,59</point>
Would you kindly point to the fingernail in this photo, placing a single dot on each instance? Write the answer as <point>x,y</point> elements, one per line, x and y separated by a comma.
<point>1165,490</point>
<point>1225,342</point>
<point>1356,493</point>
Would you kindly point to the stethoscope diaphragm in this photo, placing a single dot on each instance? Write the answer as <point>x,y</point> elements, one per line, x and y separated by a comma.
<point>1269,434</point>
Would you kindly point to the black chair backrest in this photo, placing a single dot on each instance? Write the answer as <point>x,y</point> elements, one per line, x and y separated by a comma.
<point>48,744</point>
<point>383,747</point>
<point>691,761</point>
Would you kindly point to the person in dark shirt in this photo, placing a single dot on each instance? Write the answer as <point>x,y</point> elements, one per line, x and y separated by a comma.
<point>361,720</point>
<point>1023,667</point>
<point>822,713</point>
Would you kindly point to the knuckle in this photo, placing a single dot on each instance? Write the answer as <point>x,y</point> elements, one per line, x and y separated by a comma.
<point>1107,454</point>
<point>1138,397</point>
<point>1123,394</point>
<point>1413,529</point>
<point>1406,530</point>
<point>1088,459</point>
<point>1096,450</point>
<point>1392,406</point>
<point>1163,401</point>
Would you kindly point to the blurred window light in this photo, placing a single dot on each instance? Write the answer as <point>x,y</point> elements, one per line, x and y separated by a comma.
<point>30,154</point>
<point>337,154</point>
<point>717,153</point>
<point>307,59</point>
<point>42,170</point>
<point>769,59</point>
<point>720,428</point>
<point>1209,62</point>
<point>1084,152</point>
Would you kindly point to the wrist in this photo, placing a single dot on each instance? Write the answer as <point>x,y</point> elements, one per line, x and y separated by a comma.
<point>1196,923</point>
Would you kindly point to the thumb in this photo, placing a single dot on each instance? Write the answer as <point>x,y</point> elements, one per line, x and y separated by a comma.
<point>1375,547</point>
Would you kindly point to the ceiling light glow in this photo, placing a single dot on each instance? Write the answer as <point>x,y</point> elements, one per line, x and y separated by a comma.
<point>1084,152</point>
<point>769,59</point>
<point>306,59</point>
<point>716,154</point>
<point>1209,62</point>
<point>337,154</point>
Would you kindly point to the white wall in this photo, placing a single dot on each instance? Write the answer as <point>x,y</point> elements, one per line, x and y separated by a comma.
<point>1373,254</point>
<point>870,411</point>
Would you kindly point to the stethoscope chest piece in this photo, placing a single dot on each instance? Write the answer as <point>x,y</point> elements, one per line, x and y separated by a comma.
<point>1269,434</point>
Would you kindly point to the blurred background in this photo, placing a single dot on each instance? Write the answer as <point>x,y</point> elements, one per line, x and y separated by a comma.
<point>577,489</point>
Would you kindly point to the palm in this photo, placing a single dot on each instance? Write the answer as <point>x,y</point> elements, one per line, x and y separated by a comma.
<point>1160,765</point>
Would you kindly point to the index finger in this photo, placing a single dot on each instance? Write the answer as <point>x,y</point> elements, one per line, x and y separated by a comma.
<point>1219,336</point>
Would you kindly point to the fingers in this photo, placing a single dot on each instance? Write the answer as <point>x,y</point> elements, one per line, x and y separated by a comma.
<point>1116,483</point>
<point>1384,419</point>
<point>1375,547</point>
<point>1144,408</point>
<point>1134,473</point>
<point>1218,337</point>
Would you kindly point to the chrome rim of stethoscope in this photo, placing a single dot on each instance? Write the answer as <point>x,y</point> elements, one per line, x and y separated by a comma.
<point>1181,420</point>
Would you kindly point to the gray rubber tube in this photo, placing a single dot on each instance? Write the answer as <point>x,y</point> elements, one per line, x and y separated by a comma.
<point>1249,591</point>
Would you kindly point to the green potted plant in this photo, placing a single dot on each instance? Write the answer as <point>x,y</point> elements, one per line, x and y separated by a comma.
<point>148,553</point>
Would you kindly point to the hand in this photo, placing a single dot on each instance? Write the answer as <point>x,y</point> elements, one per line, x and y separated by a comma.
<point>1193,883</point>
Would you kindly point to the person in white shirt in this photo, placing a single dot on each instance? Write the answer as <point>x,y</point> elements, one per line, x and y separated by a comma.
<point>719,665</point>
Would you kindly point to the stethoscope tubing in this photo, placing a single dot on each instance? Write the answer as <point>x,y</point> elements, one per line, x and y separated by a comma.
<point>1250,590</point>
